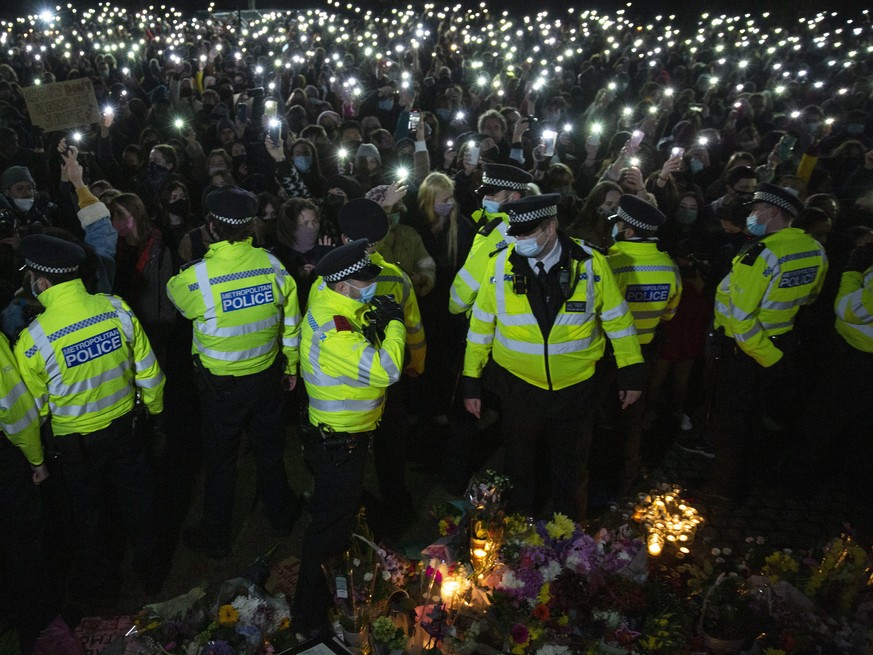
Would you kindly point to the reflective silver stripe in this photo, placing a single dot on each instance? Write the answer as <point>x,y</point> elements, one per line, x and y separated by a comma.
<point>94,382</point>
<point>781,306</point>
<point>616,312</point>
<point>651,314</point>
<point>233,356</point>
<point>124,317</point>
<point>520,346</point>
<point>345,405</point>
<point>745,336</point>
<point>150,383</point>
<point>209,329</point>
<point>279,270</point>
<point>858,308</point>
<point>91,407</point>
<point>205,290</point>
<point>482,315</point>
<point>468,279</point>
<point>721,308</point>
<point>627,332</point>
<point>866,330</point>
<point>589,288</point>
<point>416,346</point>
<point>480,339</point>
<point>14,394</point>
<point>148,362</point>
<point>777,326</point>
<point>291,342</point>
<point>52,369</point>
<point>414,328</point>
<point>517,320</point>
<point>739,313</point>
<point>455,300</point>
<point>365,365</point>
<point>389,366</point>
<point>574,346</point>
<point>573,318</point>
<point>646,330</point>
<point>499,287</point>
<point>772,261</point>
<point>30,416</point>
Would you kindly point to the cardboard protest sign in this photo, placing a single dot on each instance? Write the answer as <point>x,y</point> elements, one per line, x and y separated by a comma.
<point>62,105</point>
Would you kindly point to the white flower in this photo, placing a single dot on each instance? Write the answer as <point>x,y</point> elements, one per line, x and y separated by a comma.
<point>356,562</point>
<point>760,540</point>
<point>624,555</point>
<point>551,649</point>
<point>726,551</point>
<point>386,575</point>
<point>550,571</point>
<point>510,582</point>
<point>716,552</point>
<point>368,576</point>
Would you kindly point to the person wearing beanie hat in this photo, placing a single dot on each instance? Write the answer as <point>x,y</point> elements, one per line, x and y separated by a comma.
<point>651,285</point>
<point>19,195</point>
<point>346,376</point>
<point>755,308</point>
<point>245,310</point>
<point>365,219</point>
<point>542,315</point>
<point>500,184</point>
<point>85,361</point>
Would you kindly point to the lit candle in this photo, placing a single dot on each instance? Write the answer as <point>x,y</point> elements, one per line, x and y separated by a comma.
<point>448,590</point>
<point>655,544</point>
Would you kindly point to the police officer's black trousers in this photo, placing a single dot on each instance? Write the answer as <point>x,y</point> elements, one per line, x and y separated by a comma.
<point>109,460</point>
<point>231,405</point>
<point>339,484</point>
<point>560,421</point>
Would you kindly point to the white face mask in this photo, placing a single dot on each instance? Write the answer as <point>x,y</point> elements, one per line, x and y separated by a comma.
<point>24,204</point>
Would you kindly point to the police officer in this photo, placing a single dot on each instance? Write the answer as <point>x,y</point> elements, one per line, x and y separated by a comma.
<point>246,334</point>
<point>346,376</point>
<point>365,219</point>
<point>21,467</point>
<point>651,285</point>
<point>500,184</point>
<point>85,359</point>
<point>755,307</point>
<point>545,302</point>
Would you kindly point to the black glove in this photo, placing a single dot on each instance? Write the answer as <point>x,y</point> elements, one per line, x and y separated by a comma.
<point>861,258</point>
<point>385,310</point>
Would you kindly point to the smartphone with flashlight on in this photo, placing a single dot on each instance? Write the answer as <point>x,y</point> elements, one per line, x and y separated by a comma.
<point>636,138</point>
<point>275,131</point>
<point>548,140</point>
<point>414,121</point>
<point>677,153</point>
<point>474,153</point>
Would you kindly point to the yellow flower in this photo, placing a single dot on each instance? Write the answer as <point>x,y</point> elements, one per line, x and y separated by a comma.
<point>560,527</point>
<point>227,616</point>
<point>544,597</point>
<point>564,620</point>
<point>774,651</point>
<point>444,527</point>
<point>285,623</point>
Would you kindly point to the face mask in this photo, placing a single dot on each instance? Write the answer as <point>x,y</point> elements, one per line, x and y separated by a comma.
<point>491,206</point>
<point>178,207</point>
<point>528,247</point>
<point>387,104</point>
<point>748,145</point>
<point>696,166</point>
<point>443,209</point>
<point>444,113</point>
<point>393,220</point>
<point>216,169</point>
<point>855,129</point>
<point>367,293</point>
<point>755,228</point>
<point>157,172</point>
<point>303,163</point>
<point>24,204</point>
<point>686,216</point>
<point>305,237</point>
<point>616,232</point>
<point>34,289</point>
<point>207,108</point>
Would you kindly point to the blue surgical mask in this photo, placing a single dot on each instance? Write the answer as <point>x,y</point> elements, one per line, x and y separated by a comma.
<point>616,231</point>
<point>696,166</point>
<point>855,129</point>
<point>686,215</point>
<point>528,247</point>
<point>387,104</point>
<point>303,163</point>
<point>755,228</point>
<point>367,293</point>
<point>491,206</point>
<point>393,220</point>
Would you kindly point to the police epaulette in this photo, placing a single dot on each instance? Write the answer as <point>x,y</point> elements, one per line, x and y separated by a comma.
<point>500,246</point>
<point>490,226</point>
<point>752,253</point>
<point>190,264</point>
<point>578,253</point>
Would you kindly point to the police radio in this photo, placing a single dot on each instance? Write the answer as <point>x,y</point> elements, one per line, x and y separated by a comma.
<point>519,285</point>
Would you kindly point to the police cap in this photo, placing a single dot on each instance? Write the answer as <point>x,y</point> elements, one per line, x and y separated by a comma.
<point>497,177</point>
<point>348,262</point>
<point>526,214</point>
<point>232,205</point>
<point>638,214</point>
<point>785,199</point>
<point>363,219</point>
<point>51,255</point>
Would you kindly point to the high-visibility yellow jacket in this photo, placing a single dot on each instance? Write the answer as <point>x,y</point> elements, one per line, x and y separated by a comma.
<point>489,238</point>
<point>244,306</point>
<point>83,359</point>
<point>854,308</point>
<point>345,375</point>
<point>767,284</point>
<point>504,326</point>
<point>19,419</point>
<point>649,281</point>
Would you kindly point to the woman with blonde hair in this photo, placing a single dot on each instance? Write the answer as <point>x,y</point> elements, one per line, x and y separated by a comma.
<point>447,236</point>
<point>143,266</point>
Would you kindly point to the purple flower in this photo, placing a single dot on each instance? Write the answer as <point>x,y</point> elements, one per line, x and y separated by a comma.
<point>519,633</point>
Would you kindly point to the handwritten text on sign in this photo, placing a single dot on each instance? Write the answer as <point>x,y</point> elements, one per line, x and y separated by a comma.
<point>62,105</point>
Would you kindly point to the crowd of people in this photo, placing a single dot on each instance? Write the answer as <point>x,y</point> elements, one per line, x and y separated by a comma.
<point>433,217</point>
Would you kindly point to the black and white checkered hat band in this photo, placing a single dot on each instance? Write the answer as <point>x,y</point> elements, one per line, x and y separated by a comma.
<point>630,220</point>
<point>232,221</point>
<point>505,184</point>
<point>50,269</point>
<point>782,203</point>
<point>545,212</point>
<point>343,274</point>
